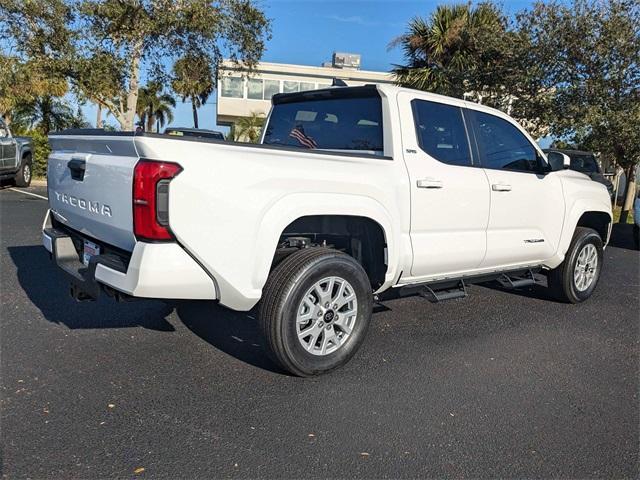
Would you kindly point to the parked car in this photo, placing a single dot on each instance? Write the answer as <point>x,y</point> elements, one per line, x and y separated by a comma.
<point>194,132</point>
<point>583,162</point>
<point>353,192</point>
<point>15,157</point>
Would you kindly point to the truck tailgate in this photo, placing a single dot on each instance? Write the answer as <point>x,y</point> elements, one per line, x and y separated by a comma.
<point>90,181</point>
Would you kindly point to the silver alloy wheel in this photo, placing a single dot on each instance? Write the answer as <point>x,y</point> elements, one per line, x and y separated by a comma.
<point>586,267</point>
<point>26,173</point>
<point>326,315</point>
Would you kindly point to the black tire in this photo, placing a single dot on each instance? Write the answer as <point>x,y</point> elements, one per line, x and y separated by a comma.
<point>25,172</point>
<point>282,297</point>
<point>561,280</point>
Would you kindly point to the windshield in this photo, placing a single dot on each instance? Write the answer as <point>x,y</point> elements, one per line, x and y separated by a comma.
<point>584,163</point>
<point>347,123</point>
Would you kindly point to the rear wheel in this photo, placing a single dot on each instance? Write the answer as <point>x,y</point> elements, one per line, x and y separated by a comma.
<point>23,175</point>
<point>315,311</point>
<point>575,279</point>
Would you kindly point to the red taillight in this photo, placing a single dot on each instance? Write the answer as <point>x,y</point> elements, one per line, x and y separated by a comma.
<point>150,199</point>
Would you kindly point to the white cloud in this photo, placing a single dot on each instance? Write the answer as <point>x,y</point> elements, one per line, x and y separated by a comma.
<point>356,19</point>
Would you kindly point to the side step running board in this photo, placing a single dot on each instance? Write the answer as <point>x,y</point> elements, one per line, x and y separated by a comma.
<point>434,294</point>
<point>512,281</point>
<point>448,289</point>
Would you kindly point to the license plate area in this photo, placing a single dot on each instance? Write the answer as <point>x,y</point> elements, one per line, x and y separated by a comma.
<point>89,249</point>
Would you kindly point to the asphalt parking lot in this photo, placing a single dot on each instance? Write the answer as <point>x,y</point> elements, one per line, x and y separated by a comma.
<point>501,384</point>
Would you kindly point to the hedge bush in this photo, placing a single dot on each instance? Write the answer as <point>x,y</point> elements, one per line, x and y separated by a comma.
<point>40,150</point>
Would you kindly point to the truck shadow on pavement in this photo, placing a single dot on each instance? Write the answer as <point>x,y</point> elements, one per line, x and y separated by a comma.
<point>234,333</point>
<point>622,236</point>
<point>538,291</point>
<point>48,289</point>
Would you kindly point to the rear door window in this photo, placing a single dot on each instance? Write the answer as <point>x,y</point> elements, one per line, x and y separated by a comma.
<point>441,132</point>
<point>338,122</point>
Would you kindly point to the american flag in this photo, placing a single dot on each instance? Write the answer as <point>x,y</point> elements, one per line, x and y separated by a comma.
<point>302,138</point>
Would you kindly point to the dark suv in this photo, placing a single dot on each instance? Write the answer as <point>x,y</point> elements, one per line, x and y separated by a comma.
<point>583,162</point>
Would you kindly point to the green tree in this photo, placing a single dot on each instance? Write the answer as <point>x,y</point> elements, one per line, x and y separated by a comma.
<point>154,106</point>
<point>248,129</point>
<point>103,45</point>
<point>473,52</point>
<point>34,34</point>
<point>445,52</point>
<point>193,80</point>
<point>47,113</point>
<point>592,55</point>
<point>23,84</point>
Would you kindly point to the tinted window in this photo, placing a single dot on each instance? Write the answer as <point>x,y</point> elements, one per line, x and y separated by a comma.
<point>584,163</point>
<point>351,123</point>
<point>502,145</point>
<point>441,132</point>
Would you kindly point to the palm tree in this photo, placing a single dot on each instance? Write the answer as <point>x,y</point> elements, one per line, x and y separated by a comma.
<point>154,107</point>
<point>248,128</point>
<point>444,51</point>
<point>48,113</point>
<point>193,81</point>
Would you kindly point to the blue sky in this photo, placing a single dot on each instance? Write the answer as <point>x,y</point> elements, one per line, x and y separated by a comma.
<point>307,32</point>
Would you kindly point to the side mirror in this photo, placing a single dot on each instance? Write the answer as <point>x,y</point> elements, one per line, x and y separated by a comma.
<point>558,161</point>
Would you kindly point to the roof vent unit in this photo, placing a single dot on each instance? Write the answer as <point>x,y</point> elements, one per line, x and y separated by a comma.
<point>349,61</point>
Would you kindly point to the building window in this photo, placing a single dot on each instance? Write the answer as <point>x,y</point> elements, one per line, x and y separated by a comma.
<point>254,89</point>
<point>290,87</point>
<point>271,87</point>
<point>304,86</point>
<point>323,85</point>
<point>232,87</point>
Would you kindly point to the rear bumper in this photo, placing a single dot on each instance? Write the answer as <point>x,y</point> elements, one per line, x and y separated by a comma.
<point>154,270</point>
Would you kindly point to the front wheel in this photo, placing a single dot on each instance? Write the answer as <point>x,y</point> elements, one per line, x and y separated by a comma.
<point>575,279</point>
<point>23,175</point>
<point>315,311</point>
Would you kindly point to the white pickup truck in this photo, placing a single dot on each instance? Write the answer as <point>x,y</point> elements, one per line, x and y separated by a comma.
<point>352,192</point>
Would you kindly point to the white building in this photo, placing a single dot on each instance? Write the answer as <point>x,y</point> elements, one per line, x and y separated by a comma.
<point>239,94</point>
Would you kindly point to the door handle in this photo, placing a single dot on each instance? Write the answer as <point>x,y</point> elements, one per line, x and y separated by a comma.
<point>501,187</point>
<point>429,183</point>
